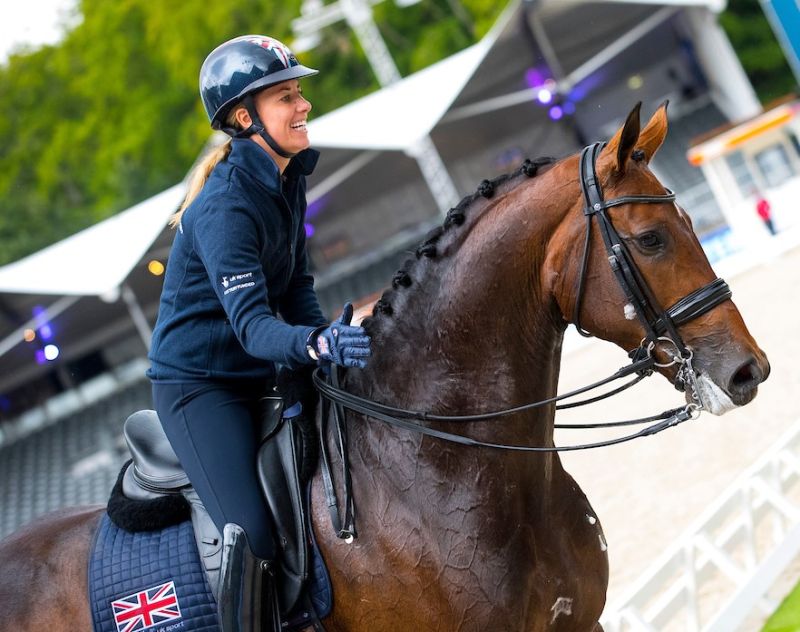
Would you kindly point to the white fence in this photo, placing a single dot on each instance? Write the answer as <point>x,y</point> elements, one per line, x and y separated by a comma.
<point>720,571</point>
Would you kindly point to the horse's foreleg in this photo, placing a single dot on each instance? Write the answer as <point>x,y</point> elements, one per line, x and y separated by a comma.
<point>44,565</point>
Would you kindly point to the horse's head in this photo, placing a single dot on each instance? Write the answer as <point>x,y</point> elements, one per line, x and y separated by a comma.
<point>658,262</point>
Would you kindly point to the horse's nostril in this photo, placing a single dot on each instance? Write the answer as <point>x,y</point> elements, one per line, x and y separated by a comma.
<point>746,378</point>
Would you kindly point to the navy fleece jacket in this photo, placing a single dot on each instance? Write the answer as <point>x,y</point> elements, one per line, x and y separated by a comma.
<point>238,260</point>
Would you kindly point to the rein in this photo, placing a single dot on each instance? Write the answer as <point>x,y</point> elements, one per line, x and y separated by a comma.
<point>660,326</point>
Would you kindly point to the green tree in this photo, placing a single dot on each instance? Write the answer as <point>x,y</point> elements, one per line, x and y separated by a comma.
<point>758,49</point>
<point>111,115</point>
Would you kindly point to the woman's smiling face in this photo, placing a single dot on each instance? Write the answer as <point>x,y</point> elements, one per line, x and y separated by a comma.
<point>284,113</point>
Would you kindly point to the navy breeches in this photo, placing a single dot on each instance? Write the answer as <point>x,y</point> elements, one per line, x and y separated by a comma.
<point>213,428</point>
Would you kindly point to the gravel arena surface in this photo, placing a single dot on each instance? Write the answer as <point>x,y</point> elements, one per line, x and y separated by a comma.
<point>647,492</point>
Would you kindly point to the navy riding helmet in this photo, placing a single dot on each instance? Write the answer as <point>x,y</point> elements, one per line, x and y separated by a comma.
<point>239,68</point>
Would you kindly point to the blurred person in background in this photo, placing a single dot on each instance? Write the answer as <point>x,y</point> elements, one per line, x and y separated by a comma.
<point>764,210</point>
<point>238,261</point>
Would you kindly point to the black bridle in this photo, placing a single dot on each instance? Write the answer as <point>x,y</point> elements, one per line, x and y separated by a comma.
<point>660,326</point>
<point>655,320</point>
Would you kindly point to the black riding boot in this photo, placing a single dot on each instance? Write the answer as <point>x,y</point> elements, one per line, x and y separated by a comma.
<point>248,599</point>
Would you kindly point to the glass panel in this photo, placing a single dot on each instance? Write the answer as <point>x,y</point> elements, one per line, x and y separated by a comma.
<point>774,165</point>
<point>741,172</point>
<point>795,143</point>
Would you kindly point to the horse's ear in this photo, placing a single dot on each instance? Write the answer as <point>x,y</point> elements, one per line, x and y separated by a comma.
<point>623,142</point>
<point>654,132</point>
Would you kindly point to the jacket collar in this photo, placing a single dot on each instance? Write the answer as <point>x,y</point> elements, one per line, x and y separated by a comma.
<point>252,158</point>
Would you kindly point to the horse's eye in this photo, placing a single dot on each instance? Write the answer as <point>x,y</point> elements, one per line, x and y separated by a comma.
<point>650,241</point>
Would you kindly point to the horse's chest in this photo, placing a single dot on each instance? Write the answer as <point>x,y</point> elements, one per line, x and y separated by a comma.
<point>466,566</point>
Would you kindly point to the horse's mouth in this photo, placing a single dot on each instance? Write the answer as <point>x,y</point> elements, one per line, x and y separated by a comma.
<point>714,399</point>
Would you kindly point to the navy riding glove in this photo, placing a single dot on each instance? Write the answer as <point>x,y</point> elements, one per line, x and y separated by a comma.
<point>342,343</point>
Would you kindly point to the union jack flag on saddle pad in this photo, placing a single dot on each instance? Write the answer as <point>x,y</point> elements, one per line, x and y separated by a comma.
<point>147,608</point>
<point>151,581</point>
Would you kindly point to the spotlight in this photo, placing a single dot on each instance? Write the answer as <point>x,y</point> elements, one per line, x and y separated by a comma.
<point>544,96</point>
<point>556,112</point>
<point>50,352</point>
<point>635,82</point>
<point>29,335</point>
<point>155,267</point>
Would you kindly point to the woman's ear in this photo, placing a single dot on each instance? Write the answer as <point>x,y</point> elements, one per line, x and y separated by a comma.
<point>242,117</point>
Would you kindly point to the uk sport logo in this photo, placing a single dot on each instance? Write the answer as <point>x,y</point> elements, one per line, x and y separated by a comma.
<point>277,47</point>
<point>147,608</point>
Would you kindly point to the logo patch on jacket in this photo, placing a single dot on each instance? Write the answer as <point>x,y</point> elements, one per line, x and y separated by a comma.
<point>231,283</point>
<point>144,609</point>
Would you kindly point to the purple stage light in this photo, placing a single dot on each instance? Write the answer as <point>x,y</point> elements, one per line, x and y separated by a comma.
<point>535,77</point>
<point>568,107</point>
<point>309,230</point>
<point>315,207</point>
<point>556,112</point>
<point>40,359</point>
<point>41,323</point>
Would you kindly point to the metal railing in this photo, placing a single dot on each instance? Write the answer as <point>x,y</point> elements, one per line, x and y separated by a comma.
<point>721,569</point>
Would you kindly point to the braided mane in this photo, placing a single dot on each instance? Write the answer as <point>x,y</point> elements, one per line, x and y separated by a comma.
<point>432,246</point>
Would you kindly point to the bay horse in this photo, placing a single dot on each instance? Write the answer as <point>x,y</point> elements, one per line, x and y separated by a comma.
<point>472,538</point>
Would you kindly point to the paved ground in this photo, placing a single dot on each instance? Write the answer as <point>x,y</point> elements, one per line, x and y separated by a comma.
<point>646,493</point>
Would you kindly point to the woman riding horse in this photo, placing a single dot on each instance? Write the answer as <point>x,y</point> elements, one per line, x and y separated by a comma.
<point>454,537</point>
<point>237,261</point>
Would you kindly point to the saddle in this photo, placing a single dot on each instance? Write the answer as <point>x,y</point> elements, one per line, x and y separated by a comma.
<point>155,474</point>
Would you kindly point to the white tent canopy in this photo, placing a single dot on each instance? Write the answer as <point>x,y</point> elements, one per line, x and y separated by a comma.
<point>400,115</point>
<point>96,260</point>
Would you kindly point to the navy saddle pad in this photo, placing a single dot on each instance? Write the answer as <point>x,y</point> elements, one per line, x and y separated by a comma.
<point>151,581</point>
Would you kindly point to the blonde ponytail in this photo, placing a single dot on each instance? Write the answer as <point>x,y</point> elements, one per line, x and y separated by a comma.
<point>199,176</point>
<point>204,168</point>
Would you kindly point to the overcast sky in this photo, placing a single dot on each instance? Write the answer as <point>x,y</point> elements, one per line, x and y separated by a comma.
<point>34,22</point>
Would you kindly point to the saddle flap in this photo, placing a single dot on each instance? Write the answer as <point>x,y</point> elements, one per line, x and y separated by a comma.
<point>155,465</point>
<point>280,482</point>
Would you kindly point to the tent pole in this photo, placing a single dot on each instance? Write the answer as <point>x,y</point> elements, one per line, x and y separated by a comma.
<point>137,315</point>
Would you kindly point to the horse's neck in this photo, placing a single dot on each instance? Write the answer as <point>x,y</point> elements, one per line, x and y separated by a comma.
<point>478,332</point>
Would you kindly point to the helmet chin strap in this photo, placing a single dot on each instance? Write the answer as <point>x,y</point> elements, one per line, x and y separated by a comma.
<point>257,127</point>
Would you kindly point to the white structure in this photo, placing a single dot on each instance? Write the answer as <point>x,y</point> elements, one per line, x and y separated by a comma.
<point>358,15</point>
<point>760,154</point>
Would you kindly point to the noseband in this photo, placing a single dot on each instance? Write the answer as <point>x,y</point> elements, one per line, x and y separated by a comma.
<point>656,321</point>
<point>660,326</point>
